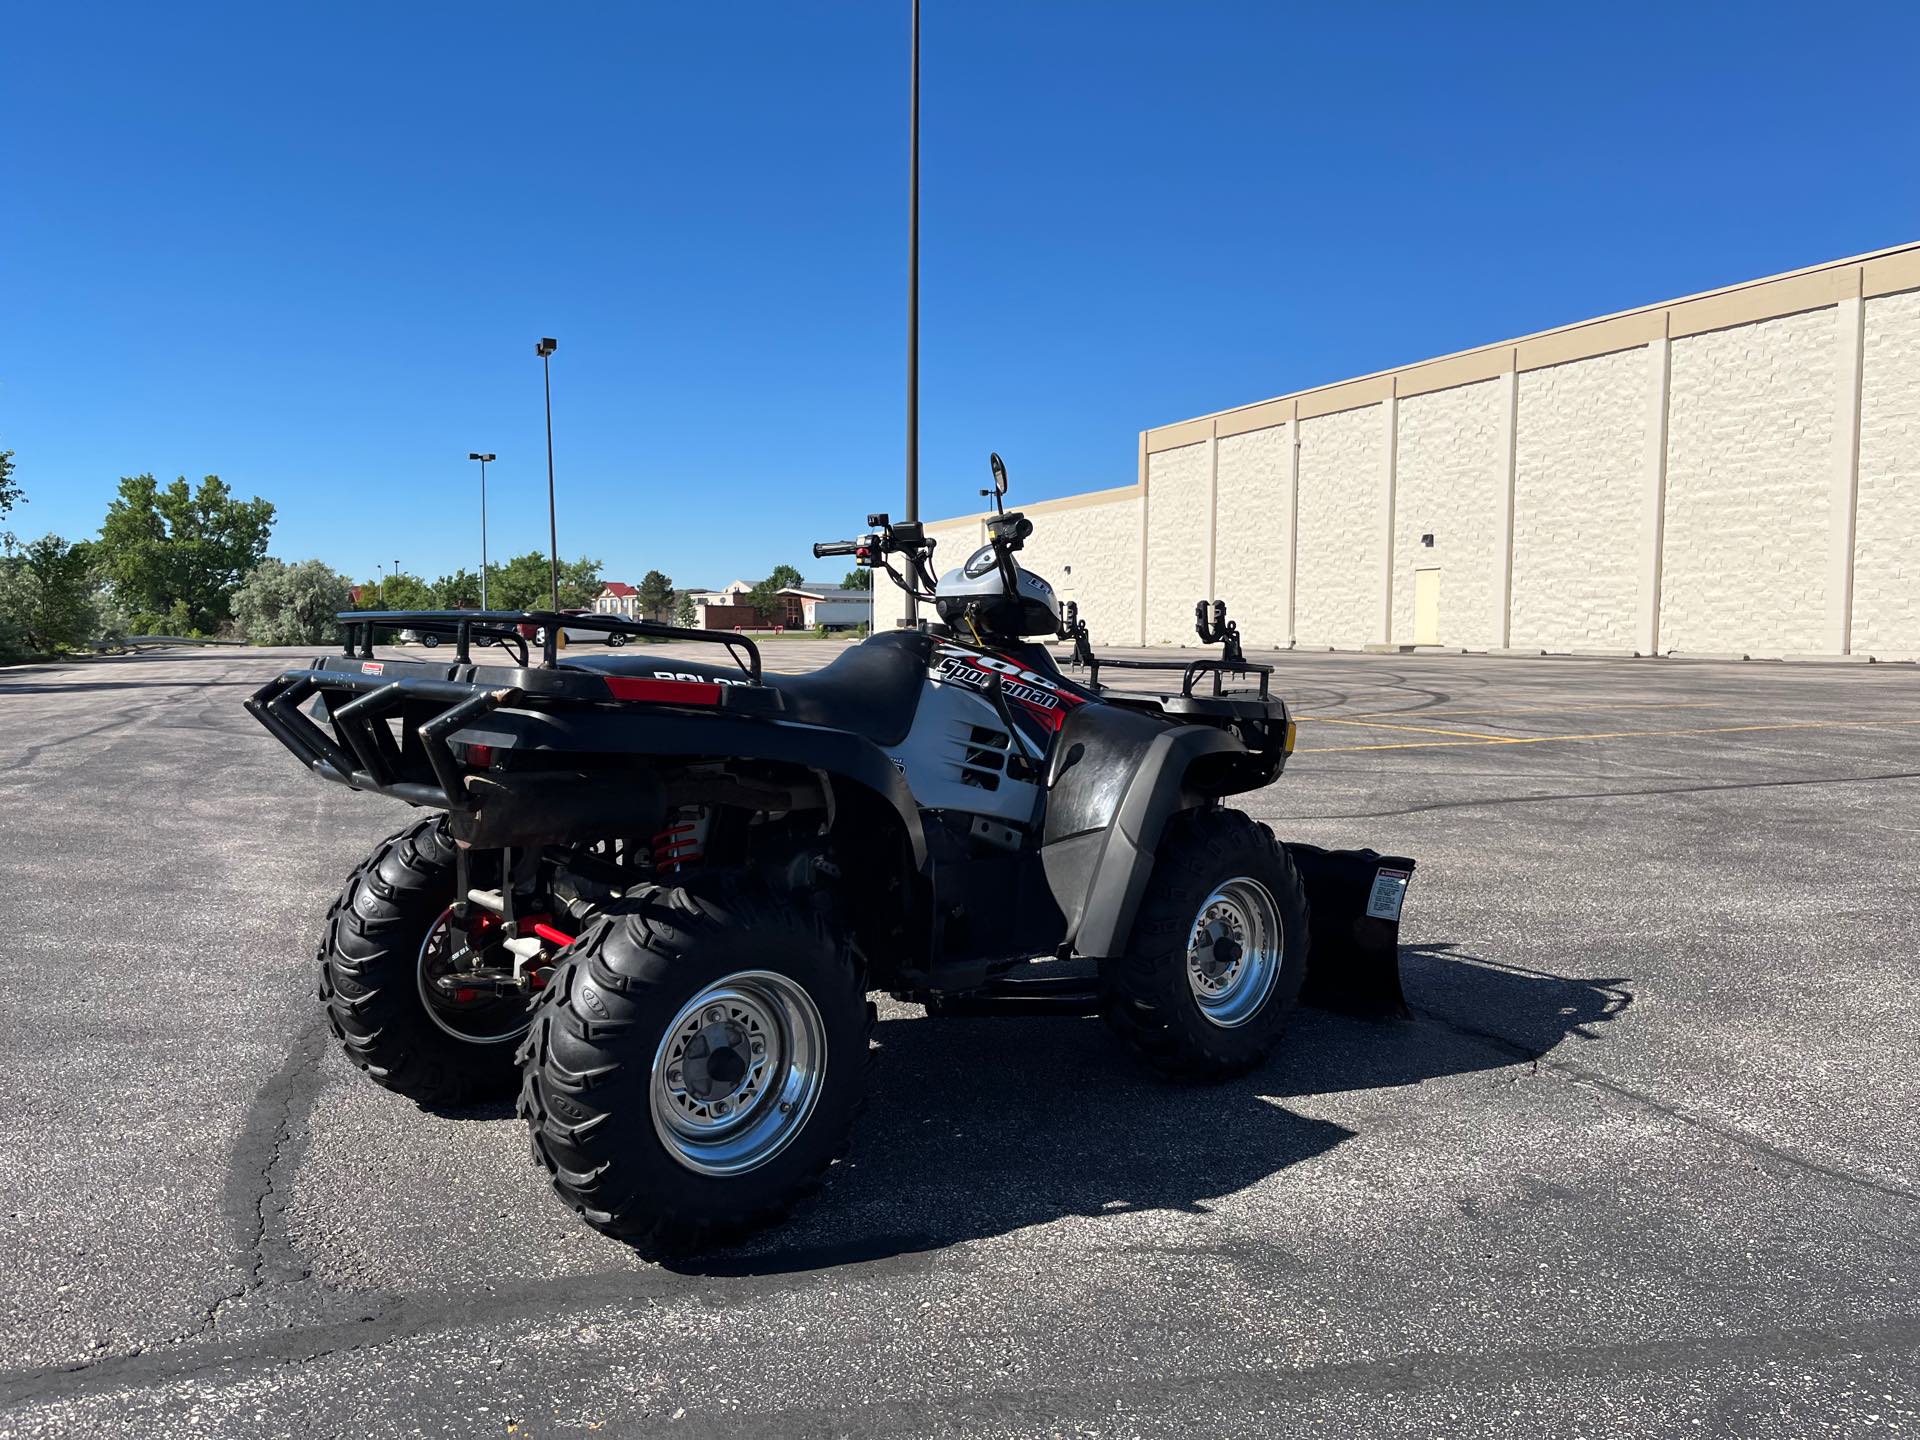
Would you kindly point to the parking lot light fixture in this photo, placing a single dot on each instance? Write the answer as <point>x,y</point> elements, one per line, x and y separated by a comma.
<point>483,459</point>
<point>544,349</point>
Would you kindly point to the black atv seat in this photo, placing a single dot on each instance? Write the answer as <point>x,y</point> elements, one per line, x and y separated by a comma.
<point>871,690</point>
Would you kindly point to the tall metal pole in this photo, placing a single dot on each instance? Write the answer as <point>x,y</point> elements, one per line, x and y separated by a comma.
<point>483,459</point>
<point>913,295</point>
<point>546,349</point>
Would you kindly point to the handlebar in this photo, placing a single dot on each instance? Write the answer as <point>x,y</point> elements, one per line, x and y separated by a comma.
<point>824,548</point>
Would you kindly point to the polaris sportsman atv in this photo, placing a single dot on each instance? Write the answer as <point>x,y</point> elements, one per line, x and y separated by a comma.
<point>655,894</point>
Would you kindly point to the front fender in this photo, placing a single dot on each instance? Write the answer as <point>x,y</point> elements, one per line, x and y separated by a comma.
<point>1101,839</point>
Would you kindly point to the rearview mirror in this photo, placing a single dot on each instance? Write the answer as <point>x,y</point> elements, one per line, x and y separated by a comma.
<point>999,474</point>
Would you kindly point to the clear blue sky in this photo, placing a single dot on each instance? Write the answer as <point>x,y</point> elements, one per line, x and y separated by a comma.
<point>309,247</point>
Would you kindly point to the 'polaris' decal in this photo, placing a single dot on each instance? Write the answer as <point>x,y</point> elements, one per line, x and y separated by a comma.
<point>698,679</point>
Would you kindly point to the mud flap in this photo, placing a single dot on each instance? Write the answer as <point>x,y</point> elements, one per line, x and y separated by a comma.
<point>1354,899</point>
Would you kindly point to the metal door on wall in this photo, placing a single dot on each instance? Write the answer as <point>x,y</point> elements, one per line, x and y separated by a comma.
<point>1426,607</point>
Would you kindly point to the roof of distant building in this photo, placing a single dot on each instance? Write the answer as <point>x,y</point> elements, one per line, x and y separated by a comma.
<point>617,588</point>
<point>825,592</point>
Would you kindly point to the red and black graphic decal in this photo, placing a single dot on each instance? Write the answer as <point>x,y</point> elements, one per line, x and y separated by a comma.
<point>1037,698</point>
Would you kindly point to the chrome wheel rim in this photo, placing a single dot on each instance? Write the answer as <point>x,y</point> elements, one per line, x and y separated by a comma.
<point>501,1022</point>
<point>1233,952</point>
<point>738,1073</point>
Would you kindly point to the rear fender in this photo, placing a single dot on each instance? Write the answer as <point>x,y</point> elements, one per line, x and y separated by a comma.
<point>844,758</point>
<point>1119,776</point>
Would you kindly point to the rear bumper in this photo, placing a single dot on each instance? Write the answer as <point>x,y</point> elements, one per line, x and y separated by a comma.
<point>362,751</point>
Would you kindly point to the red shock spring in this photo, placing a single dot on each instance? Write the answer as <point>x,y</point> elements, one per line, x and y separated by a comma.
<point>676,846</point>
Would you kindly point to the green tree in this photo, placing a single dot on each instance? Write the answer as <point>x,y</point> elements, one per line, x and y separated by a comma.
<point>764,596</point>
<point>281,604</point>
<point>860,579</point>
<point>683,611</point>
<point>46,598</point>
<point>522,583</point>
<point>10,494</point>
<point>175,555</point>
<point>458,591</point>
<point>398,592</point>
<point>656,595</point>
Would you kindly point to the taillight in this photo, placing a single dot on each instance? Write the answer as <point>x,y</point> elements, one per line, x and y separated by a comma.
<point>480,756</point>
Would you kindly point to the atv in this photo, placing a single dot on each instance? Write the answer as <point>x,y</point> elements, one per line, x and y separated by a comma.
<point>653,895</point>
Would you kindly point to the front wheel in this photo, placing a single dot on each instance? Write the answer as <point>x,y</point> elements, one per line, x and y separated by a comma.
<point>1218,950</point>
<point>695,1065</point>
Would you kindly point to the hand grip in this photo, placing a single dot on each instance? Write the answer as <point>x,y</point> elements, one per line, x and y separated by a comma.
<point>824,548</point>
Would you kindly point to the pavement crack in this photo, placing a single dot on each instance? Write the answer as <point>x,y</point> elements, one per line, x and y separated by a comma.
<point>1693,1119</point>
<point>255,1195</point>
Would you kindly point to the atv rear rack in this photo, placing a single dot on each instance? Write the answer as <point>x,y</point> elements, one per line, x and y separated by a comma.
<point>510,626</point>
<point>351,738</point>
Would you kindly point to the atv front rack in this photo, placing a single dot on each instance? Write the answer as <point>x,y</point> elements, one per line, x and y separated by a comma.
<point>1215,631</point>
<point>511,627</point>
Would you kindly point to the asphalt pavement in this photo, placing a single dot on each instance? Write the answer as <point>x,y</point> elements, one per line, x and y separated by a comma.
<point>1642,1162</point>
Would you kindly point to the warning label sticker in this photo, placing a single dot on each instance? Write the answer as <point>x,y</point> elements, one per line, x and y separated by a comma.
<point>1389,891</point>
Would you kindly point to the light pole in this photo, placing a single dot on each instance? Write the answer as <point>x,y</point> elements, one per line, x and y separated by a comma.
<point>483,459</point>
<point>545,351</point>
<point>913,294</point>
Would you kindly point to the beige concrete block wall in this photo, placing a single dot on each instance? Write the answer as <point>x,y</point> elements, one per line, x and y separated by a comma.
<point>1749,460</point>
<point>1090,554</point>
<point>1179,502</point>
<point>1450,481</point>
<point>1886,581</point>
<point>1579,473</point>
<point>1731,472</point>
<point>1337,570</point>
<point>1253,532</point>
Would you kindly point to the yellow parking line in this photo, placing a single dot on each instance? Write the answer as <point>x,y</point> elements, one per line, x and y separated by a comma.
<point>1537,710</point>
<point>1612,735</point>
<point>1383,725</point>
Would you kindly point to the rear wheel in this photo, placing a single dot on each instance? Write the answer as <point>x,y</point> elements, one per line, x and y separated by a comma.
<point>695,1065</point>
<point>389,942</point>
<point>1218,950</point>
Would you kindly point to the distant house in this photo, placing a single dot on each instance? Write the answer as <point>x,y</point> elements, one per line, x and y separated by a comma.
<point>805,606</point>
<point>724,608</point>
<point>617,597</point>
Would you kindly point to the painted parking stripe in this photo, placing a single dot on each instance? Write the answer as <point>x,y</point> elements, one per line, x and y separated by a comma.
<point>1609,735</point>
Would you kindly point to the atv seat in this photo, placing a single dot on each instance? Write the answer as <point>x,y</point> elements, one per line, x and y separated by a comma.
<point>871,690</point>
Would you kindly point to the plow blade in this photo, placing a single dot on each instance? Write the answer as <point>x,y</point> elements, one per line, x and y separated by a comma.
<point>1353,899</point>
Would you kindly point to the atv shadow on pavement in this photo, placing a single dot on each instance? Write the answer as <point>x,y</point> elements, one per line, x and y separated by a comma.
<point>979,1127</point>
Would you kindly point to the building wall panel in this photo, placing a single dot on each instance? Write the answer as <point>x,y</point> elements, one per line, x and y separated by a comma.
<point>1449,482</point>
<point>1886,580</point>
<point>1749,466</point>
<point>1339,549</point>
<point>1178,502</point>
<point>1090,554</point>
<point>1579,473</point>
<point>1252,540</point>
